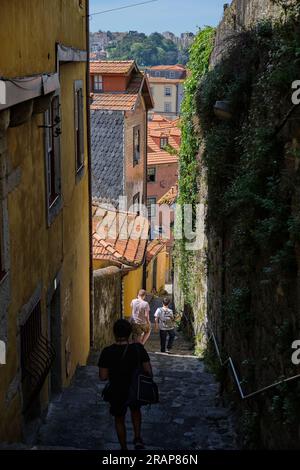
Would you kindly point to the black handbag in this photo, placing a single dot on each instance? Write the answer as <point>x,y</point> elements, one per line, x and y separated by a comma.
<point>143,390</point>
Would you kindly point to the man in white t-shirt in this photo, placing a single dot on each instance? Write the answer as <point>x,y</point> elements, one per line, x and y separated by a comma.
<point>140,318</point>
<point>165,323</point>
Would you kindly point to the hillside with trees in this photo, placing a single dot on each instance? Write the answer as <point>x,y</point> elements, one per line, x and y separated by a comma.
<point>154,49</point>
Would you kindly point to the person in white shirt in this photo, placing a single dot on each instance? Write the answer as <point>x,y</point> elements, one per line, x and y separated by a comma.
<point>165,323</point>
<point>140,318</point>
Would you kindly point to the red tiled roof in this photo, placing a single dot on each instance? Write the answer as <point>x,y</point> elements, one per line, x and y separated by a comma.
<point>122,67</point>
<point>165,80</point>
<point>124,101</point>
<point>177,67</point>
<point>120,237</point>
<point>170,197</point>
<point>114,101</point>
<point>153,248</point>
<point>159,127</point>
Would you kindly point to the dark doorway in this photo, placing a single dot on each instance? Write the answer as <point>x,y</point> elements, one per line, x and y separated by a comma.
<point>55,339</point>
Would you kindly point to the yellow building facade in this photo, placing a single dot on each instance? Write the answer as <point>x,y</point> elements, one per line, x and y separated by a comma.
<point>167,96</point>
<point>132,283</point>
<point>44,206</point>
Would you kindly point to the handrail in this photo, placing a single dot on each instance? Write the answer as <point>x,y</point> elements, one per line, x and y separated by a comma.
<point>236,378</point>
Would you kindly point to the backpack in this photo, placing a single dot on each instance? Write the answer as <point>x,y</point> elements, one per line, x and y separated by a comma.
<point>166,319</point>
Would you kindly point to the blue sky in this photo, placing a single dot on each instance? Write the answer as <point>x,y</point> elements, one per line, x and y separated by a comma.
<point>164,15</point>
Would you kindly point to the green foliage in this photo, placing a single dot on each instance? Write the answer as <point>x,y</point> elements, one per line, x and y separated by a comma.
<point>189,169</point>
<point>245,156</point>
<point>198,65</point>
<point>171,150</point>
<point>147,50</point>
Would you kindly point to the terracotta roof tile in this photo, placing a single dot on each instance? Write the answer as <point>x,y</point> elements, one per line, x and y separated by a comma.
<point>159,127</point>
<point>165,80</point>
<point>177,67</point>
<point>153,248</point>
<point>119,101</point>
<point>114,101</point>
<point>112,67</point>
<point>109,244</point>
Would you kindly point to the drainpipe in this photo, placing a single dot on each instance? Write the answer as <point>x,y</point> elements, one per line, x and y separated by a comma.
<point>145,200</point>
<point>91,283</point>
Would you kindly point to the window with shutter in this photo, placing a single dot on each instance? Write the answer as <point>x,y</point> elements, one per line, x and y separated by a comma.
<point>168,107</point>
<point>151,174</point>
<point>136,145</point>
<point>79,125</point>
<point>163,142</point>
<point>98,83</point>
<point>151,206</point>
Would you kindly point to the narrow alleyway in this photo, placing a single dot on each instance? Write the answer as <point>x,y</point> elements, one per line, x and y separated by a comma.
<point>187,417</point>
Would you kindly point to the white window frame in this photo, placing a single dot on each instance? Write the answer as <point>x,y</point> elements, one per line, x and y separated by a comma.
<point>168,91</point>
<point>151,171</point>
<point>168,107</point>
<point>162,140</point>
<point>151,206</point>
<point>98,82</point>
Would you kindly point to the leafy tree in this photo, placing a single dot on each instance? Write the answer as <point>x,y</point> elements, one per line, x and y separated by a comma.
<point>147,50</point>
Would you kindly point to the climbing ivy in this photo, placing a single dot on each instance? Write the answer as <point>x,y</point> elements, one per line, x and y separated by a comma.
<point>245,157</point>
<point>253,176</point>
<point>197,66</point>
<point>189,168</point>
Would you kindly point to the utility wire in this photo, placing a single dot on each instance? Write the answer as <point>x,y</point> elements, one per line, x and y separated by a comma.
<point>122,8</point>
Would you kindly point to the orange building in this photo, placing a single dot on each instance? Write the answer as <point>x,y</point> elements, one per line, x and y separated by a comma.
<point>164,138</point>
<point>120,103</point>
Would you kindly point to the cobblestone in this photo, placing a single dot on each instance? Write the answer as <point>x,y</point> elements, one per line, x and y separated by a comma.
<point>187,417</point>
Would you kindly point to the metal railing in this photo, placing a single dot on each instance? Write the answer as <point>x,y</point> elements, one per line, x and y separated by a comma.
<point>235,374</point>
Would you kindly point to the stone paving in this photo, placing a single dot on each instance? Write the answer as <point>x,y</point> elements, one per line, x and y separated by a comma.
<point>187,417</point>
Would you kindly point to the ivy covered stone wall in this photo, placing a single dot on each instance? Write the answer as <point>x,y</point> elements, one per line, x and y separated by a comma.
<point>189,285</point>
<point>248,175</point>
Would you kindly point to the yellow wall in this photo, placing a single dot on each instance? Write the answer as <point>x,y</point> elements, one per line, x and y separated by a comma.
<point>29,30</point>
<point>132,283</point>
<point>28,33</point>
<point>100,264</point>
<point>161,272</point>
